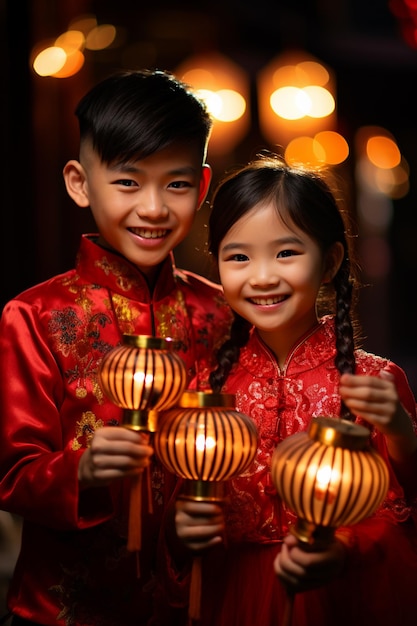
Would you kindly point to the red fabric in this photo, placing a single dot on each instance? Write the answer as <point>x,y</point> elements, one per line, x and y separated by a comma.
<point>74,568</point>
<point>379,585</point>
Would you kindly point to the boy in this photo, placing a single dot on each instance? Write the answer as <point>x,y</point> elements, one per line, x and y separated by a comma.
<point>63,457</point>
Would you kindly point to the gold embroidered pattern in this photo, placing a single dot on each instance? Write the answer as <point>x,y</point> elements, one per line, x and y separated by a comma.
<point>170,323</point>
<point>85,430</point>
<point>119,271</point>
<point>126,313</point>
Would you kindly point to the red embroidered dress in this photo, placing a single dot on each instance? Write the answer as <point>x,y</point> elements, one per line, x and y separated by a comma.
<point>74,568</point>
<point>380,580</point>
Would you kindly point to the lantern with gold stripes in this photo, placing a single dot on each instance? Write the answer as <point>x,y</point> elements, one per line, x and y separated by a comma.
<point>143,376</point>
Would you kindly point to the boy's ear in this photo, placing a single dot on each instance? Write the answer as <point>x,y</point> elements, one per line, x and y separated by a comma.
<point>75,182</point>
<point>333,261</point>
<point>204,184</point>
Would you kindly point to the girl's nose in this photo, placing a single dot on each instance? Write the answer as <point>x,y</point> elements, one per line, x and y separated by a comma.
<point>264,275</point>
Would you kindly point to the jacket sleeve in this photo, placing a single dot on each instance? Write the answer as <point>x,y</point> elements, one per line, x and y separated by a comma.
<point>38,471</point>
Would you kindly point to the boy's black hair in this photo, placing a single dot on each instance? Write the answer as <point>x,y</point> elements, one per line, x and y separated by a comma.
<point>133,114</point>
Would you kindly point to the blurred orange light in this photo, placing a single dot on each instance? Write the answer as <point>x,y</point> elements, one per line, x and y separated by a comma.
<point>100,37</point>
<point>322,101</point>
<point>71,40</point>
<point>335,146</point>
<point>290,103</point>
<point>84,23</point>
<point>49,61</point>
<point>383,152</point>
<point>305,151</point>
<point>224,87</point>
<point>72,65</point>
<point>295,98</point>
<point>316,73</point>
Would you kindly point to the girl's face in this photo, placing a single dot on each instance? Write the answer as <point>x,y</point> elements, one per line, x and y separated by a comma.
<point>271,275</point>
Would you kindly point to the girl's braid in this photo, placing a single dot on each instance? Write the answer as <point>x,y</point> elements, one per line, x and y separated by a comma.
<point>345,346</point>
<point>228,353</point>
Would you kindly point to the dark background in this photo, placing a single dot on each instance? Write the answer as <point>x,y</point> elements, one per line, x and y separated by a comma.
<point>363,42</point>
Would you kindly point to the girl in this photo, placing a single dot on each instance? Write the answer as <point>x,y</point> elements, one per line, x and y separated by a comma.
<point>283,256</point>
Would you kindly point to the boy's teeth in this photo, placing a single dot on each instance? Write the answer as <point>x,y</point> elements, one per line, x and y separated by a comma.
<point>149,234</point>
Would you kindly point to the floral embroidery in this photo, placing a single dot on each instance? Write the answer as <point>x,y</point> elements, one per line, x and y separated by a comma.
<point>124,281</point>
<point>127,315</point>
<point>78,338</point>
<point>171,321</point>
<point>85,430</point>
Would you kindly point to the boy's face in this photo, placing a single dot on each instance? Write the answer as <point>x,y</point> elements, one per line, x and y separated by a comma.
<point>143,209</point>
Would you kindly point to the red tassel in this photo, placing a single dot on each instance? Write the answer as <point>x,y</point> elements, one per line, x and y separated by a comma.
<point>194,611</point>
<point>289,605</point>
<point>134,537</point>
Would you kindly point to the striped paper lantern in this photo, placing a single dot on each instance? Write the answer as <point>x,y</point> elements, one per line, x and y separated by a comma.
<point>207,442</point>
<point>329,476</point>
<point>143,376</point>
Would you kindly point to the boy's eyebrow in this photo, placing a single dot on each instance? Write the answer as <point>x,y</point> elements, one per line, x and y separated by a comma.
<point>134,169</point>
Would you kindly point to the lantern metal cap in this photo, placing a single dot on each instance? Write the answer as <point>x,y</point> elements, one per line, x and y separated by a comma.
<point>200,399</point>
<point>340,433</point>
<point>148,341</point>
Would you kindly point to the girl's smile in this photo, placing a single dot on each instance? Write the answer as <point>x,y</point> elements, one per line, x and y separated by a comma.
<point>271,273</point>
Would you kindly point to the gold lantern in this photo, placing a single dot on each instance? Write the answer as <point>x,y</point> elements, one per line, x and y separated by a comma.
<point>142,376</point>
<point>329,476</point>
<point>207,442</point>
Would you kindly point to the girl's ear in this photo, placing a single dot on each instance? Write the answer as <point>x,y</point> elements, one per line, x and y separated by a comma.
<point>76,183</point>
<point>333,262</point>
<point>205,181</point>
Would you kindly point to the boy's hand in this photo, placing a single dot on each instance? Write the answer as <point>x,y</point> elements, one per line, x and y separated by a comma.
<point>199,524</point>
<point>301,569</point>
<point>115,452</point>
<point>375,399</point>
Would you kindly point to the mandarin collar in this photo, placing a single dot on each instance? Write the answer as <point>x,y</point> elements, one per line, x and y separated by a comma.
<point>316,347</point>
<point>112,271</point>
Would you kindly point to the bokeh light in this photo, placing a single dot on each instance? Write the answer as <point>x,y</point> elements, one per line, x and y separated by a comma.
<point>49,61</point>
<point>224,87</point>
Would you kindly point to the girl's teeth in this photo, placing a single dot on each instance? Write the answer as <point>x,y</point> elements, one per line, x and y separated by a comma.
<point>265,301</point>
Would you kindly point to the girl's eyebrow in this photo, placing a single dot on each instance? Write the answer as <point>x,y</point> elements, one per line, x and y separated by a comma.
<point>282,241</point>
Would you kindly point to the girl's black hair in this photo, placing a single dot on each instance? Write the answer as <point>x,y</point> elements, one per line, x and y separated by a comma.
<point>131,115</point>
<point>303,198</point>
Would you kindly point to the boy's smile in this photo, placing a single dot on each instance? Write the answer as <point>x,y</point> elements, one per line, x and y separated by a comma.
<point>144,209</point>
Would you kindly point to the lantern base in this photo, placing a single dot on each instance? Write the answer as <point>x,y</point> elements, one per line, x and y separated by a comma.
<point>312,534</point>
<point>203,490</point>
<point>140,420</point>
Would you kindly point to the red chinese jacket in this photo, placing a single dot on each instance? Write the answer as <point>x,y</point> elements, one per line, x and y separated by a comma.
<point>379,583</point>
<point>74,568</point>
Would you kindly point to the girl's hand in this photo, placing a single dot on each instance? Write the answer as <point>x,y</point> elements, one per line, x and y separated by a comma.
<point>302,568</point>
<point>375,399</point>
<point>199,524</point>
<point>115,452</point>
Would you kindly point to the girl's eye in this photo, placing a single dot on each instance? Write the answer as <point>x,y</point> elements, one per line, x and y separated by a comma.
<point>285,253</point>
<point>239,258</point>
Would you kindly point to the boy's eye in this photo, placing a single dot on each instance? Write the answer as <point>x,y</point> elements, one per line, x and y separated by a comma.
<point>180,184</point>
<point>126,182</point>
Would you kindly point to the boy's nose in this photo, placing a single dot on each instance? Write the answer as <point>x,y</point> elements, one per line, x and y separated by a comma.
<point>151,205</point>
